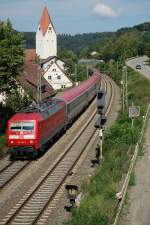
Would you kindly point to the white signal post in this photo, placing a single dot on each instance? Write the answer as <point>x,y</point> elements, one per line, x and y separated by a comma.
<point>101,143</point>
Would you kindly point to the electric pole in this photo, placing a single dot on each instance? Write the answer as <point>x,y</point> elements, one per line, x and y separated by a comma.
<point>39,84</point>
<point>75,73</point>
<point>124,88</point>
<point>126,78</point>
<point>87,71</point>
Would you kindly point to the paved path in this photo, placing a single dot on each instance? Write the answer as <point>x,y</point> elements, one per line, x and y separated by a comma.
<point>138,211</point>
<point>145,69</point>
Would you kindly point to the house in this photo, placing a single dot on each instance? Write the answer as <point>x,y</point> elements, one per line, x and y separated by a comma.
<point>28,81</point>
<point>55,73</point>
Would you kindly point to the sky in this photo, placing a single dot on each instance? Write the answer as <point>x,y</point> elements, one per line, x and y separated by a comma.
<point>76,16</point>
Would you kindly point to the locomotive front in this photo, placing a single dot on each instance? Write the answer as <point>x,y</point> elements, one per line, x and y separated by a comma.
<point>21,137</point>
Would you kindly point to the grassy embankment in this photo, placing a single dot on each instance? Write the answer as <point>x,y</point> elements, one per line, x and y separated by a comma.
<point>99,202</point>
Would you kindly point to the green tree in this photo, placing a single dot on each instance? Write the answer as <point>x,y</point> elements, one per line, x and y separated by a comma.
<point>147,49</point>
<point>16,101</point>
<point>67,55</point>
<point>11,56</point>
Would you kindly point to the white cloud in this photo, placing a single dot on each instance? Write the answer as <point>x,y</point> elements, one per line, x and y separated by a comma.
<point>104,11</point>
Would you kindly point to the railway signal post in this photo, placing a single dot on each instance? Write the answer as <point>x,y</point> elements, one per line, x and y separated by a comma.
<point>72,193</point>
<point>99,124</point>
<point>101,143</point>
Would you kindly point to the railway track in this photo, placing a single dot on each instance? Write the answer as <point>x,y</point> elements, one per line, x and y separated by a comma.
<point>10,171</point>
<point>30,208</point>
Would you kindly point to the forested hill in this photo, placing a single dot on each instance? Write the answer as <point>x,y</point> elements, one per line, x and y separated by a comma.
<point>72,42</point>
<point>82,41</point>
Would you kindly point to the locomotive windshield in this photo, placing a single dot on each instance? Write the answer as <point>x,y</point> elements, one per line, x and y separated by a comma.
<point>22,126</point>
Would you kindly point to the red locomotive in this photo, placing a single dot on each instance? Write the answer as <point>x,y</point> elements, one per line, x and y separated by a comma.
<point>29,131</point>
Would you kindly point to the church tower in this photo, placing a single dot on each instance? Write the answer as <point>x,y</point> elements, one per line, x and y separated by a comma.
<point>46,38</point>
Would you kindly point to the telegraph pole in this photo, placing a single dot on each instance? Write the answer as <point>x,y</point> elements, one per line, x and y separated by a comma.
<point>87,71</point>
<point>123,84</point>
<point>39,84</point>
<point>124,88</point>
<point>126,78</point>
<point>75,73</point>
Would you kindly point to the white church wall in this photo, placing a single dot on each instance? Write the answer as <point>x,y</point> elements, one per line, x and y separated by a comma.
<point>39,43</point>
<point>46,45</point>
<point>50,43</point>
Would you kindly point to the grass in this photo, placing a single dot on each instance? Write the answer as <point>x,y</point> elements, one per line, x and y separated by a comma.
<point>119,141</point>
<point>132,180</point>
<point>141,151</point>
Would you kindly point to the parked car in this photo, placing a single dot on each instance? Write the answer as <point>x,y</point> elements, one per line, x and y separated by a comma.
<point>138,66</point>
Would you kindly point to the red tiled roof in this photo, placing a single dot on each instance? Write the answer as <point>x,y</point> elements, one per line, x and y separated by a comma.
<point>30,55</point>
<point>28,80</point>
<point>45,21</point>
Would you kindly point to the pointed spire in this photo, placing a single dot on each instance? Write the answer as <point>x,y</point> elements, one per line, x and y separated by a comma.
<point>45,21</point>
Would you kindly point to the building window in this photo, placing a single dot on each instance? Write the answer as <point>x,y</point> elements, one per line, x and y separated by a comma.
<point>58,77</point>
<point>39,28</point>
<point>63,86</point>
<point>49,77</point>
<point>54,69</point>
<point>49,28</point>
<point>43,88</point>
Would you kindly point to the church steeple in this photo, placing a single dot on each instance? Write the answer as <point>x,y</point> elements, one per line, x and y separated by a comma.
<point>46,38</point>
<point>45,21</point>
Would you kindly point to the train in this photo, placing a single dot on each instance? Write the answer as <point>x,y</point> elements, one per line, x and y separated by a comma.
<point>30,130</point>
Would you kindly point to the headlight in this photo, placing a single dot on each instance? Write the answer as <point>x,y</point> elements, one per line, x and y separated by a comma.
<point>31,142</point>
<point>13,136</point>
<point>29,136</point>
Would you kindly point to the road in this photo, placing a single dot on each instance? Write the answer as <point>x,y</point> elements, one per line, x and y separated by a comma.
<point>137,211</point>
<point>145,69</point>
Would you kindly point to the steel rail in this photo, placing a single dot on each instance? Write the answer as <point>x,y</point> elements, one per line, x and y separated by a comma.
<point>8,173</point>
<point>7,166</point>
